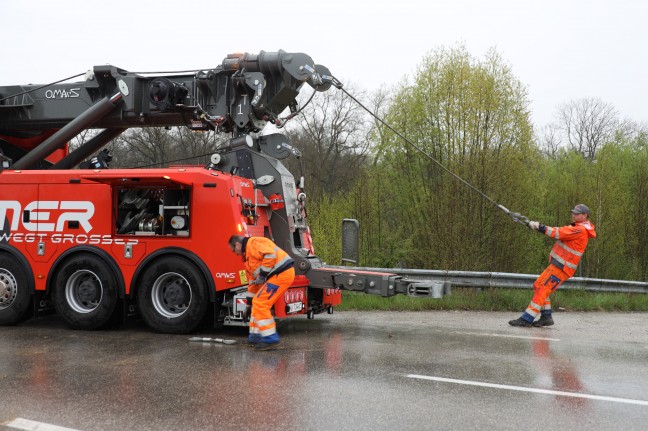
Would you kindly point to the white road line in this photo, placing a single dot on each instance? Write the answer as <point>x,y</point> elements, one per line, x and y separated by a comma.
<point>523,389</point>
<point>506,336</point>
<point>29,425</point>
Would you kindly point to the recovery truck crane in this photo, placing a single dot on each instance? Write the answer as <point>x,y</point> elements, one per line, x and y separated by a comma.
<point>99,244</point>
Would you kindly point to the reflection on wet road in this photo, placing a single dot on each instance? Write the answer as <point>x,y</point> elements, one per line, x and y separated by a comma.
<point>345,371</point>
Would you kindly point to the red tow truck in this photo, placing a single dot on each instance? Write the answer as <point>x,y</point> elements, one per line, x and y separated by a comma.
<point>98,245</point>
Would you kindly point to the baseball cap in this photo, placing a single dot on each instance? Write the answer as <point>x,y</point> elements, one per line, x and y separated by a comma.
<point>580,209</point>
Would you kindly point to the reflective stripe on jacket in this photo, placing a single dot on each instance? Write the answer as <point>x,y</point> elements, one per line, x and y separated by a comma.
<point>571,242</point>
<point>263,257</point>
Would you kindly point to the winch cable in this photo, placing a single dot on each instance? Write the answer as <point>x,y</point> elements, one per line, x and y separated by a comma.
<point>335,82</point>
<point>517,217</point>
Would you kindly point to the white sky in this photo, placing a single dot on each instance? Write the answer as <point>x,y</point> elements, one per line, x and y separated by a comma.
<point>560,49</point>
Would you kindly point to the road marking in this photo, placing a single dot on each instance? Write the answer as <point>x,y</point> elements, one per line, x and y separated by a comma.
<point>535,390</point>
<point>29,425</point>
<point>507,336</point>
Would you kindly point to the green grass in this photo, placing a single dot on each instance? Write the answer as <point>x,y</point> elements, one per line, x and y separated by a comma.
<point>498,300</point>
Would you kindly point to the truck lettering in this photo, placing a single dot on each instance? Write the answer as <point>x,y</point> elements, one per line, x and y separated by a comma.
<point>82,218</point>
<point>40,216</point>
<point>58,238</point>
<point>13,206</point>
<point>224,275</point>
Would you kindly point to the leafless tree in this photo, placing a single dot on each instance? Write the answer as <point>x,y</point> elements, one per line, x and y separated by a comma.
<point>588,123</point>
<point>197,147</point>
<point>332,134</point>
<point>630,131</point>
<point>550,140</point>
<point>157,147</point>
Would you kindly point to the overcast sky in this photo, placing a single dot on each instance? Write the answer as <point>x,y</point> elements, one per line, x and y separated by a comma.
<point>560,49</point>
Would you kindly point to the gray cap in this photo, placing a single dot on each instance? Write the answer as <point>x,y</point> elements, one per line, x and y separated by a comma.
<point>580,209</point>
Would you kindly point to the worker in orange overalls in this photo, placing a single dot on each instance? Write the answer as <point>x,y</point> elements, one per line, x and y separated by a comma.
<point>270,273</point>
<point>571,242</point>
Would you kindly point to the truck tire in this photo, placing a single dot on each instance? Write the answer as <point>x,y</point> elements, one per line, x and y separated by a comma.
<point>85,292</point>
<point>172,296</point>
<point>15,297</point>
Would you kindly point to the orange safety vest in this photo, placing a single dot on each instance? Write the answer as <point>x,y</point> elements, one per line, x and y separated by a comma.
<point>262,256</point>
<point>570,245</point>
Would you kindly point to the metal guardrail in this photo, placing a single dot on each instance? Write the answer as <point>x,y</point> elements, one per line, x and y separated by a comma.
<point>510,280</point>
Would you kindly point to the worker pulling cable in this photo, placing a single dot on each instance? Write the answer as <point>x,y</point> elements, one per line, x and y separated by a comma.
<point>571,241</point>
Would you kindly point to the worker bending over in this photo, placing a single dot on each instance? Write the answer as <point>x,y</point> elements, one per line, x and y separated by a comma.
<point>270,272</point>
<point>571,241</point>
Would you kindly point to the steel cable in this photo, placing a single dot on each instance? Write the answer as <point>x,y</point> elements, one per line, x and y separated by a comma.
<point>419,149</point>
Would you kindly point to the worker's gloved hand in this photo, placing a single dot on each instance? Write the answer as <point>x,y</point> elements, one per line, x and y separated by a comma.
<point>519,218</point>
<point>260,280</point>
<point>534,225</point>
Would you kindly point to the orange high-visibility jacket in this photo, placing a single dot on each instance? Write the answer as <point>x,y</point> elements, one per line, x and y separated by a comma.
<point>263,257</point>
<point>571,242</point>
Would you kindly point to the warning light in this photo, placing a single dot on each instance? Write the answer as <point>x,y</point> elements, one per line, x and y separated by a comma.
<point>239,227</point>
<point>276,201</point>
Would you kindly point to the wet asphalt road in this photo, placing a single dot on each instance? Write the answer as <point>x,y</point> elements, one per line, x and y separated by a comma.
<point>343,371</point>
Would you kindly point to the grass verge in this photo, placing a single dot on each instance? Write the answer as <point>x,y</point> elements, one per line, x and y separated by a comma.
<point>498,300</point>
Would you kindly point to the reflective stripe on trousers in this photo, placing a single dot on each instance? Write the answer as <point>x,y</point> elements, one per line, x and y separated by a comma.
<point>261,321</point>
<point>545,285</point>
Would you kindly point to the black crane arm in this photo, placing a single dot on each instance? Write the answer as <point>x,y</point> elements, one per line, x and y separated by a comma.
<point>239,96</point>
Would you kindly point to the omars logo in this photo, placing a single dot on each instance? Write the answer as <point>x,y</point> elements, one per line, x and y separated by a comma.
<point>47,216</point>
<point>62,93</point>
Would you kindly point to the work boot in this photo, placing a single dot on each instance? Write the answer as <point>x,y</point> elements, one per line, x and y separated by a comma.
<point>520,322</point>
<point>253,340</point>
<point>269,342</point>
<point>261,345</point>
<point>543,321</point>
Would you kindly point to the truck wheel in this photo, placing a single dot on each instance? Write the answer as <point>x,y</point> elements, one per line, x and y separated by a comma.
<point>173,296</point>
<point>85,292</point>
<point>15,297</point>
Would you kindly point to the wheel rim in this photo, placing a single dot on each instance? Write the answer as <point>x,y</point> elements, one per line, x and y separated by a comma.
<point>171,295</point>
<point>83,291</point>
<point>8,289</point>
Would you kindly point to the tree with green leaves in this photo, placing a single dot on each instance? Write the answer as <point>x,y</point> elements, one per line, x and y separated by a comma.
<point>471,116</point>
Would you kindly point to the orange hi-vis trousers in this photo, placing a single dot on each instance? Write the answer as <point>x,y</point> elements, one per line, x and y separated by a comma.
<point>549,280</point>
<point>261,321</point>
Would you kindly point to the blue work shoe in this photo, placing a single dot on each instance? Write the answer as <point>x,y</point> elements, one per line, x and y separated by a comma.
<point>261,345</point>
<point>267,343</point>
<point>253,339</point>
